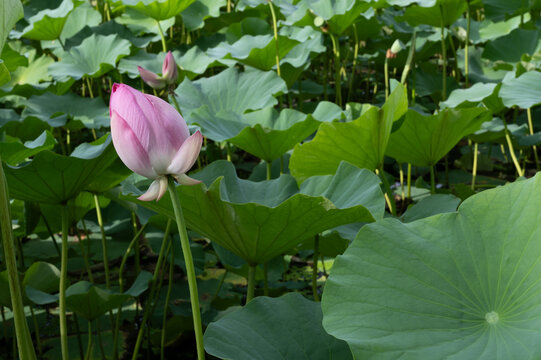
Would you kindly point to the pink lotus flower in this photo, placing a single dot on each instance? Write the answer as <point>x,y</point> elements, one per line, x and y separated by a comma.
<point>152,139</point>
<point>169,73</point>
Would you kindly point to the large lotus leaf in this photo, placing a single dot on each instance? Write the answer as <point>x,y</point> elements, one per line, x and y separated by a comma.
<point>48,24</point>
<point>90,302</point>
<point>524,91</point>
<point>82,16</point>
<point>95,56</point>
<point>361,142</point>
<point>489,30</point>
<point>494,131</point>
<point>55,109</point>
<point>257,51</point>
<point>424,140</point>
<point>13,151</point>
<point>311,41</point>
<point>230,91</point>
<point>475,94</point>
<point>288,327</point>
<point>511,47</point>
<point>10,12</point>
<point>108,28</point>
<point>265,133</point>
<point>431,205</point>
<point>42,276</point>
<point>159,9</point>
<point>339,14</point>
<point>139,23</point>
<point>444,12</point>
<point>480,69</point>
<point>498,10</point>
<point>461,285</point>
<point>54,178</point>
<point>260,220</point>
<point>33,74</point>
<point>194,16</point>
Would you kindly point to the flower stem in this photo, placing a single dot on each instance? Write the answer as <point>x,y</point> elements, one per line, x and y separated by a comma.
<point>63,285</point>
<point>474,166</point>
<point>172,96</point>
<point>530,127</point>
<point>167,299</point>
<point>269,169</point>
<point>444,56</point>
<point>22,333</point>
<point>388,192</point>
<point>409,180</point>
<point>103,242</point>
<point>164,46</point>
<point>190,269</point>
<point>314,268</point>
<point>251,283</point>
<point>467,45</point>
<point>275,28</point>
<point>337,85</point>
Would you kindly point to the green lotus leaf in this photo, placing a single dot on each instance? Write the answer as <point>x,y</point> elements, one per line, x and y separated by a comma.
<point>494,131</point>
<point>339,15</point>
<point>90,302</point>
<point>288,327</point>
<point>311,41</point>
<point>159,9</point>
<point>444,12</point>
<point>139,23</point>
<point>13,59</point>
<point>431,205</point>
<point>489,30</point>
<point>264,133</point>
<point>95,56</point>
<point>54,110</point>
<point>48,24</point>
<point>230,91</point>
<point>460,285</point>
<point>11,11</point>
<point>361,142</point>
<point>109,28</point>
<point>497,10</point>
<point>258,221</point>
<point>257,51</point>
<point>13,151</point>
<point>34,74</point>
<point>41,276</point>
<point>524,91</point>
<point>480,69</point>
<point>510,48</point>
<point>475,94</point>
<point>82,16</point>
<point>424,140</point>
<point>194,16</point>
<point>53,178</point>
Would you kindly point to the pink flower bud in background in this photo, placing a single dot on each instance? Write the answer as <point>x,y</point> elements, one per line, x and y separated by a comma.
<point>153,80</point>
<point>169,69</point>
<point>152,139</point>
<point>169,73</point>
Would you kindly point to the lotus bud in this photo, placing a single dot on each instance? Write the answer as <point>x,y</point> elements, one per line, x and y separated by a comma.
<point>152,139</point>
<point>169,69</point>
